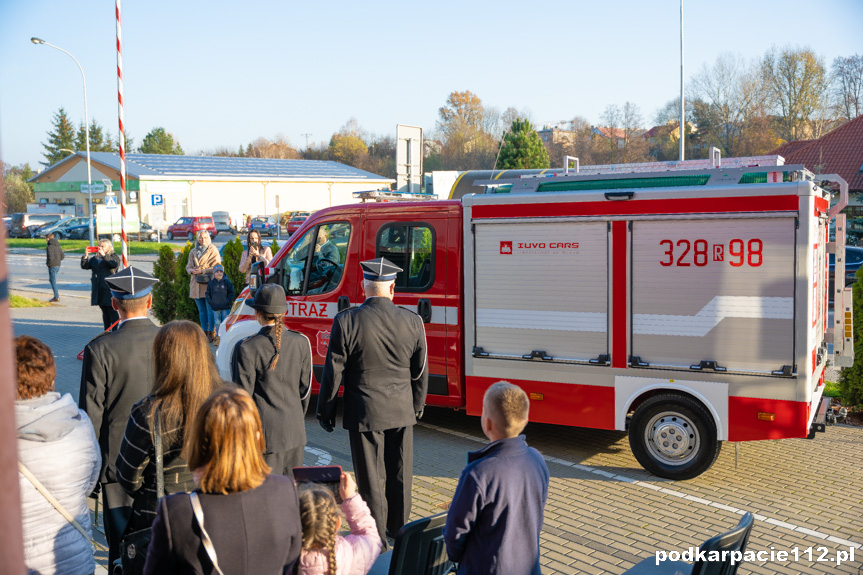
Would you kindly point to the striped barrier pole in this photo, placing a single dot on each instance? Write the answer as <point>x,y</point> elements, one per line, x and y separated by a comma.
<point>121,141</point>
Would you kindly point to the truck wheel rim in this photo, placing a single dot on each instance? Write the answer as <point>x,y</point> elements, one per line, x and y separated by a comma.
<point>672,438</point>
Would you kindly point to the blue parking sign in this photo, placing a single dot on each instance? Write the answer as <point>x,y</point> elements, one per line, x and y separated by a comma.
<point>157,199</point>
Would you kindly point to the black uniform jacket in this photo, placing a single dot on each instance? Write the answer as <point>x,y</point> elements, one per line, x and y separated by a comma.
<point>254,532</point>
<point>117,373</point>
<point>378,352</point>
<point>100,293</point>
<point>282,395</point>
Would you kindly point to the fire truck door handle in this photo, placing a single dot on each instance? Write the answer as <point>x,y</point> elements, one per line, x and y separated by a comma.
<point>344,303</point>
<point>424,310</point>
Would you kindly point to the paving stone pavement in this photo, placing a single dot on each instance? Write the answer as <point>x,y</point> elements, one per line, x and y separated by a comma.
<point>604,512</point>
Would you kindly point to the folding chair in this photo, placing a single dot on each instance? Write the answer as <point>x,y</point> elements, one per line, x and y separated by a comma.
<point>419,550</point>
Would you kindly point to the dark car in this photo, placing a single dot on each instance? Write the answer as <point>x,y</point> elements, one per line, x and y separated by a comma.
<point>265,225</point>
<point>60,228</point>
<point>23,225</point>
<point>853,261</point>
<point>189,227</point>
<point>295,223</point>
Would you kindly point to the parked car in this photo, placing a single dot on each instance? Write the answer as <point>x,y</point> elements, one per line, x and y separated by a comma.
<point>853,261</point>
<point>79,232</point>
<point>23,225</point>
<point>266,226</point>
<point>190,226</point>
<point>7,220</point>
<point>60,228</point>
<point>224,222</point>
<point>295,222</point>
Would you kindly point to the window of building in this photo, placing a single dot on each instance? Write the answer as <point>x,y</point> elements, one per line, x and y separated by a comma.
<point>411,247</point>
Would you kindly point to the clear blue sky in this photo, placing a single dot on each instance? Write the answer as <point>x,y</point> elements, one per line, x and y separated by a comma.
<point>222,73</point>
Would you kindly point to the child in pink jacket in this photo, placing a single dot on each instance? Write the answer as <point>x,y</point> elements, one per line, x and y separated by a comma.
<point>324,551</point>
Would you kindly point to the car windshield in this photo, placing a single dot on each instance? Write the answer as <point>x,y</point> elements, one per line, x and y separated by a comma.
<point>299,218</point>
<point>853,256</point>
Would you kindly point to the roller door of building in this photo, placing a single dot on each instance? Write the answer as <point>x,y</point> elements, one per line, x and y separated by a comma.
<point>542,287</point>
<point>714,290</point>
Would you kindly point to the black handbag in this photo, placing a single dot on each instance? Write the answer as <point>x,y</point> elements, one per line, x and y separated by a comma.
<point>133,546</point>
<point>203,278</point>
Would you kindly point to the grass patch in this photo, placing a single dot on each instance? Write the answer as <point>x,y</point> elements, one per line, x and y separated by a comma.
<point>831,389</point>
<point>78,246</point>
<point>21,301</point>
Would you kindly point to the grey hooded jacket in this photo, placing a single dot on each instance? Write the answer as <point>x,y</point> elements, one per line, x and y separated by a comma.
<point>56,442</point>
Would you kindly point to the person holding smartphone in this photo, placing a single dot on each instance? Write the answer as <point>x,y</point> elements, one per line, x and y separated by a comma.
<point>253,253</point>
<point>102,262</point>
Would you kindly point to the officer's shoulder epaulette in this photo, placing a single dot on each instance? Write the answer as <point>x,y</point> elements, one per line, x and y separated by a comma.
<point>100,335</point>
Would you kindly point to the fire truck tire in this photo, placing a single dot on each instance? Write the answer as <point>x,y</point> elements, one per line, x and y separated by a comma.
<point>673,436</point>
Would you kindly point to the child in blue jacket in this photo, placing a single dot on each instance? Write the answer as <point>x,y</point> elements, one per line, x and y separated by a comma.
<point>220,296</point>
<point>494,520</point>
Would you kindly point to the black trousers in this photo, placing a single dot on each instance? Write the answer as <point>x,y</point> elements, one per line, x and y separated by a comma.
<point>383,463</point>
<point>283,462</point>
<point>109,315</point>
<point>117,509</point>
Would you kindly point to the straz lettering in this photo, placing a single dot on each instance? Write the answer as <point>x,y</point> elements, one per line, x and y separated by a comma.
<point>307,309</point>
<point>685,253</point>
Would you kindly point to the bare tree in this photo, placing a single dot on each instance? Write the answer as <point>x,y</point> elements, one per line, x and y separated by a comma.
<point>278,148</point>
<point>847,86</point>
<point>727,96</point>
<point>611,118</point>
<point>797,81</point>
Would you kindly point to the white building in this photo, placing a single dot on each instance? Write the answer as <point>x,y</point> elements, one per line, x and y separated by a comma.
<point>163,188</point>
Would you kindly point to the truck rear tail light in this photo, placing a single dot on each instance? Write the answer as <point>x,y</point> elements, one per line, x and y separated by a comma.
<point>537,397</point>
<point>766,416</point>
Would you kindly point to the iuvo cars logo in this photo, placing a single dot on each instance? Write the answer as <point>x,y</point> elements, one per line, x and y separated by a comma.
<point>554,247</point>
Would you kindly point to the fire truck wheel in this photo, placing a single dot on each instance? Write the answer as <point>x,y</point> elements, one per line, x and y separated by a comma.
<point>673,436</point>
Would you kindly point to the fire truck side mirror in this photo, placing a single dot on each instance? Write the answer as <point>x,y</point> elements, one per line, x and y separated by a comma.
<point>255,280</point>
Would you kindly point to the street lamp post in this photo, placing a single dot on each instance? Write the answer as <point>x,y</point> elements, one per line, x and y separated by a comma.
<point>87,133</point>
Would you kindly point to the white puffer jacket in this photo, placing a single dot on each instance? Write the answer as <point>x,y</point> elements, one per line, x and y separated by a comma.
<point>56,442</point>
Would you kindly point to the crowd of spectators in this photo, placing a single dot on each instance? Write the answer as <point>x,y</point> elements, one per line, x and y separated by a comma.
<point>171,444</point>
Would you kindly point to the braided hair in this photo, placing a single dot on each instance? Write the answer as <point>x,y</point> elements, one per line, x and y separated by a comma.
<point>279,328</point>
<point>319,518</point>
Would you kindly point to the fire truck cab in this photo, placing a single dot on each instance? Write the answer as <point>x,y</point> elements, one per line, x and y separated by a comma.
<point>684,302</point>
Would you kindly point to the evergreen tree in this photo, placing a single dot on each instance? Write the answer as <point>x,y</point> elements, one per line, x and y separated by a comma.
<point>165,293</point>
<point>522,148</point>
<point>99,142</point>
<point>185,306</point>
<point>231,254</point>
<point>62,136</point>
<point>158,141</point>
<point>851,378</point>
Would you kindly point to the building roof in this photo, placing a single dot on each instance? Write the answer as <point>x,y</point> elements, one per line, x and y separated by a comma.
<point>608,132</point>
<point>838,152</point>
<point>164,166</point>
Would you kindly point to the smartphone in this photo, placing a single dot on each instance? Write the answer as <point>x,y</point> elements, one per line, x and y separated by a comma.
<point>92,249</point>
<point>329,476</point>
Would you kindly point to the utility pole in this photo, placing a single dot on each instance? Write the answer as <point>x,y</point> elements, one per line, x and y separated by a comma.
<point>307,140</point>
<point>682,102</point>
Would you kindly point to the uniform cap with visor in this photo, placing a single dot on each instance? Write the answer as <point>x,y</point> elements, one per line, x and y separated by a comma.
<point>130,283</point>
<point>380,270</point>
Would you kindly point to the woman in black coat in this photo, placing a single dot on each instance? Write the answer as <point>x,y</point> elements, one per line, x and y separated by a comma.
<point>252,518</point>
<point>103,263</point>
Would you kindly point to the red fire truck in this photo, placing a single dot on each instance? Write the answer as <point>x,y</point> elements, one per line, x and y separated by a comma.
<point>686,302</point>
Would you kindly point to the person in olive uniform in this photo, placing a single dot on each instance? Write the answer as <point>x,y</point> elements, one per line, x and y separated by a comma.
<point>275,367</point>
<point>378,352</point>
<point>116,373</point>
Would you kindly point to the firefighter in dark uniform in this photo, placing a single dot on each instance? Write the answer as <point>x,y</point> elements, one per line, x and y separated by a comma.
<point>117,372</point>
<point>275,367</point>
<point>378,352</point>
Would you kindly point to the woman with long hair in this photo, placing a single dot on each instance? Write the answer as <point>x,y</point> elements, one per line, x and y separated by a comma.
<point>254,252</point>
<point>102,263</point>
<point>251,518</point>
<point>202,259</point>
<point>185,375</point>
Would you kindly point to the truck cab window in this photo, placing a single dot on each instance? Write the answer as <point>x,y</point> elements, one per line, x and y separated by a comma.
<point>411,247</point>
<point>316,263</point>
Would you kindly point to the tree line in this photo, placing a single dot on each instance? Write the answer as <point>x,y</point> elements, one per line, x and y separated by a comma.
<point>744,108</point>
